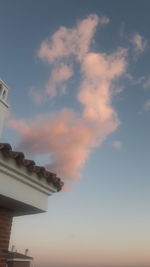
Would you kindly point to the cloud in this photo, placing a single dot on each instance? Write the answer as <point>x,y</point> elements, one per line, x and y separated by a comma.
<point>57,82</point>
<point>66,42</point>
<point>117,145</point>
<point>146,83</point>
<point>75,41</point>
<point>59,75</point>
<point>147,105</point>
<point>139,43</point>
<point>68,135</point>
<point>99,70</point>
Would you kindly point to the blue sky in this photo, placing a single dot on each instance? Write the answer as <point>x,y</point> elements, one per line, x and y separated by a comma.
<point>104,218</point>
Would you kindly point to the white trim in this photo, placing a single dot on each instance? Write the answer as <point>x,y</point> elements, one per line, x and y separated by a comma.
<point>17,259</point>
<point>4,84</point>
<point>32,180</point>
<point>3,102</point>
<point>19,185</point>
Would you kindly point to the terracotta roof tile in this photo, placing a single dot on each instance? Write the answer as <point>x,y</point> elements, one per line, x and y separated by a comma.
<point>30,165</point>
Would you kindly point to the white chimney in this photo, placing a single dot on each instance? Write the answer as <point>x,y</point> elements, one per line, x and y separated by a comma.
<point>26,251</point>
<point>13,248</point>
<point>3,103</point>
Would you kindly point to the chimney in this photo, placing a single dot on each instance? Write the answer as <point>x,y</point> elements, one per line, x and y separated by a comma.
<point>3,103</point>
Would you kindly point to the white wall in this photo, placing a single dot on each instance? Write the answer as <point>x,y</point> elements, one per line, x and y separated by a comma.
<point>19,191</point>
<point>16,183</point>
<point>3,109</point>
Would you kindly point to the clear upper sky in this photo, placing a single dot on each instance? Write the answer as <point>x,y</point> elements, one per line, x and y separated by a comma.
<point>79,73</point>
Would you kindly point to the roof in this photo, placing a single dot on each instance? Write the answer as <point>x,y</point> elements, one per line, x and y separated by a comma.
<point>30,166</point>
<point>16,255</point>
<point>10,255</point>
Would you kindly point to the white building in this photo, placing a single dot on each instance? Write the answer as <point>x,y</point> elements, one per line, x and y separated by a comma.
<point>24,189</point>
<point>3,102</point>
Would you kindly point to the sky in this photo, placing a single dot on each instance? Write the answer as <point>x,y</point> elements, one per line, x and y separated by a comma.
<point>79,104</point>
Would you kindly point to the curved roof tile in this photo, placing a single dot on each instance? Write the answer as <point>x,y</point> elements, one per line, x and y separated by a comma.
<point>30,165</point>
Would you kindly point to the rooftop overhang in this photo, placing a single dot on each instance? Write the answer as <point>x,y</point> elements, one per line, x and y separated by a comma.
<point>19,208</point>
<point>22,191</point>
<point>11,256</point>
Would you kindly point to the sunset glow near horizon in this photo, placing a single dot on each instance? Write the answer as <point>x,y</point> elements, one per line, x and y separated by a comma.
<point>79,73</point>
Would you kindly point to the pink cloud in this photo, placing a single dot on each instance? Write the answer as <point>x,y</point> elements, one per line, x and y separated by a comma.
<point>139,43</point>
<point>67,135</point>
<point>59,75</point>
<point>63,43</point>
<point>74,41</point>
<point>146,83</point>
<point>99,71</point>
